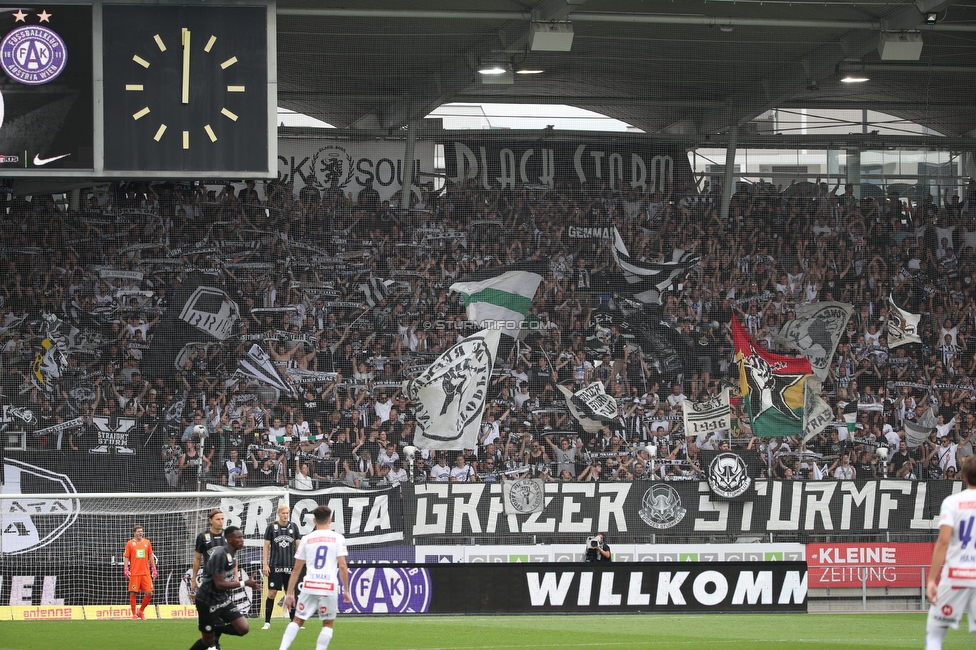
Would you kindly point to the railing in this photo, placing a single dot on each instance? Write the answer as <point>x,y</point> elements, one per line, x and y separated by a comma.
<point>872,581</point>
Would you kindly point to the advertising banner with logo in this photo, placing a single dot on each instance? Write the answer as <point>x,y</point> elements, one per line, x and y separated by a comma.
<point>317,162</point>
<point>497,161</point>
<point>532,587</point>
<point>845,565</point>
<point>510,588</point>
<point>490,554</point>
<point>678,508</point>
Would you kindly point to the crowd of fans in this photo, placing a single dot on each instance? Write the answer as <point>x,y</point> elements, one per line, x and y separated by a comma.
<point>299,266</point>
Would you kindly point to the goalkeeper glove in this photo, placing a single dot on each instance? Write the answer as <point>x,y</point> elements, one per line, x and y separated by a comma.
<point>127,573</point>
<point>155,573</point>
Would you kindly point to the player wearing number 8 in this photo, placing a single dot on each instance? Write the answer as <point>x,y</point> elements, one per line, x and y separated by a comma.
<point>140,569</point>
<point>951,583</point>
<point>323,554</point>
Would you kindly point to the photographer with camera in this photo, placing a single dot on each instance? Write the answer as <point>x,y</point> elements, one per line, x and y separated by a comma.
<point>597,549</point>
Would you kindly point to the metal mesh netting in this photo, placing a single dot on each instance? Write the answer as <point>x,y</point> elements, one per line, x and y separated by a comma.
<point>70,550</point>
<point>282,317</point>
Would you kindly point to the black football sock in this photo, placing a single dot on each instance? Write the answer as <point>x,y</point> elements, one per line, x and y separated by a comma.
<point>268,607</point>
<point>199,645</point>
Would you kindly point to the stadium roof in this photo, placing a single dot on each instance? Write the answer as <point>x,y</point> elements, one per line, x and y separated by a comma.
<point>685,68</point>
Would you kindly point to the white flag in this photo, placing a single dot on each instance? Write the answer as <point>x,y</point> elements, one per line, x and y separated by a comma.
<point>258,365</point>
<point>706,417</point>
<point>902,326</point>
<point>595,402</point>
<point>816,412</point>
<point>450,394</point>
<point>815,332</point>
<point>589,424</point>
<point>501,296</point>
<point>915,433</point>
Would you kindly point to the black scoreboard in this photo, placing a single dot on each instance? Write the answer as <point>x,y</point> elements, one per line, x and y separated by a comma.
<point>138,90</point>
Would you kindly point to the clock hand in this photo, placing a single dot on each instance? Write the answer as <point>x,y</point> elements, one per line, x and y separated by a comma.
<point>186,66</point>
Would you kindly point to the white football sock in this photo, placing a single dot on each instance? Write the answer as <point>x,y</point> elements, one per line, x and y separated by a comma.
<point>322,643</point>
<point>934,636</point>
<point>290,633</point>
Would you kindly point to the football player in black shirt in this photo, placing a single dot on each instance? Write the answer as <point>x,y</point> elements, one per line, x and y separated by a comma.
<point>217,613</point>
<point>280,543</point>
<point>205,542</point>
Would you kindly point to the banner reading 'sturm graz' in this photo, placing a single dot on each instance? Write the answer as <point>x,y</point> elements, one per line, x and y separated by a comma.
<point>497,161</point>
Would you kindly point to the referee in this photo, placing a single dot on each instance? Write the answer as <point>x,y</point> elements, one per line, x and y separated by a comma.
<point>280,543</point>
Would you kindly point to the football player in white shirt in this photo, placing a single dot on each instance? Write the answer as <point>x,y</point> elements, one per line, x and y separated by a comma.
<point>323,554</point>
<point>951,583</point>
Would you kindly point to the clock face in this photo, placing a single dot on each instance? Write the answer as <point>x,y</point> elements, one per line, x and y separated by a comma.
<point>185,88</point>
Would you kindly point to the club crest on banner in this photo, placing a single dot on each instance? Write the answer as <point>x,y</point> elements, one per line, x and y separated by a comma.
<point>661,507</point>
<point>21,532</point>
<point>728,476</point>
<point>332,163</point>
<point>524,496</point>
<point>387,590</point>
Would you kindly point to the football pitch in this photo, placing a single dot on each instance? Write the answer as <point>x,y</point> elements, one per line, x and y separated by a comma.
<point>684,632</point>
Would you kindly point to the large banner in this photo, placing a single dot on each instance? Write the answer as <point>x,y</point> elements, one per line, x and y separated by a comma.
<point>869,564</point>
<point>499,162</point>
<point>678,508</point>
<point>58,592</point>
<point>619,588</point>
<point>317,163</point>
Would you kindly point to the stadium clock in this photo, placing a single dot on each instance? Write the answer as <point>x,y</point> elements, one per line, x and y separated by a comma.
<point>185,88</point>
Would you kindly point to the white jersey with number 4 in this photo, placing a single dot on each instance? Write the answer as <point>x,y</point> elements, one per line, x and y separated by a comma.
<point>321,550</point>
<point>959,511</point>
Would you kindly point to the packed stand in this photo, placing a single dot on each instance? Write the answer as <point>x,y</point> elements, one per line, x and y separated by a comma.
<point>348,297</point>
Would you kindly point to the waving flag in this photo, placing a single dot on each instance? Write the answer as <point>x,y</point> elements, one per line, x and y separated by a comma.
<point>258,365</point>
<point>815,332</point>
<point>771,384</point>
<point>502,295</point>
<point>902,325</point>
<point>590,406</point>
<point>646,280</point>
<point>450,394</point>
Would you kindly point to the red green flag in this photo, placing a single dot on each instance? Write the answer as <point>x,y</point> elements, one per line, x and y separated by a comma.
<point>771,385</point>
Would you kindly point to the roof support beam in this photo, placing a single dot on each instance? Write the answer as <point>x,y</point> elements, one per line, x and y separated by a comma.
<point>754,99</point>
<point>456,74</point>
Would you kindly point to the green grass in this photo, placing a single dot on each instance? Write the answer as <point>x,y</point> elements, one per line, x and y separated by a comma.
<point>685,632</point>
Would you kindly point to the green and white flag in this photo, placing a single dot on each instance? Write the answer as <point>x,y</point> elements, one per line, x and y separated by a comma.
<point>499,298</point>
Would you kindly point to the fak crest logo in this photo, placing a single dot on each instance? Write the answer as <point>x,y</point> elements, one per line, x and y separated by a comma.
<point>33,55</point>
<point>728,476</point>
<point>30,523</point>
<point>661,507</point>
<point>329,164</point>
<point>387,590</point>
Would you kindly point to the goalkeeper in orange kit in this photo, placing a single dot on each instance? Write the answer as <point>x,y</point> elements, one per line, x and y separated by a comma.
<point>140,570</point>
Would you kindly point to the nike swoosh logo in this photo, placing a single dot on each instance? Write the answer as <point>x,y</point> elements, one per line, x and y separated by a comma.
<point>43,161</point>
